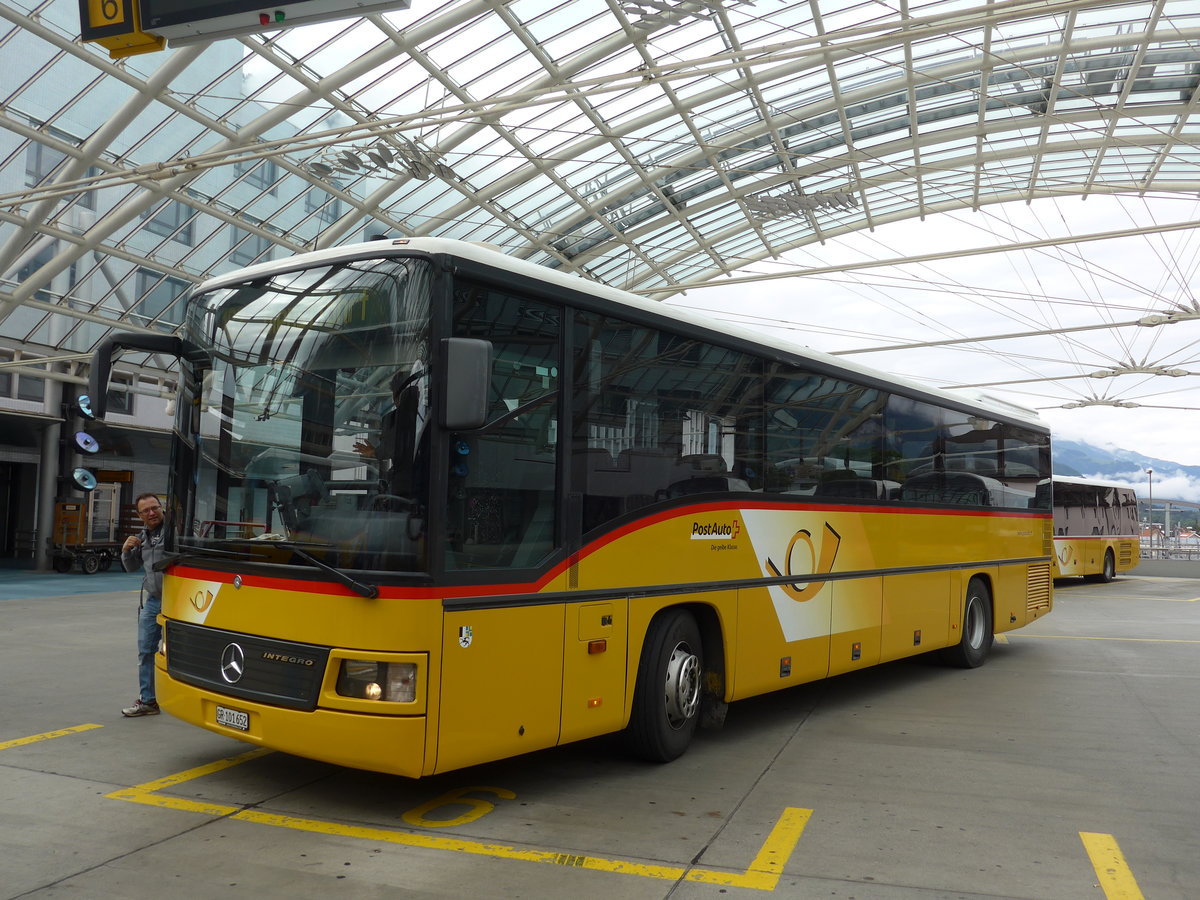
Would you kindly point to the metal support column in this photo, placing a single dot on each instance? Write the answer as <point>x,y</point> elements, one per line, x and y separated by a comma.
<point>47,493</point>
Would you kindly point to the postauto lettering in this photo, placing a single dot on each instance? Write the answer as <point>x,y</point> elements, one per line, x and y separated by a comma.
<point>701,530</point>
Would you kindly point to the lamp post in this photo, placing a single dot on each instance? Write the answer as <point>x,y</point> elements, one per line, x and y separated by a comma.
<point>1150,506</point>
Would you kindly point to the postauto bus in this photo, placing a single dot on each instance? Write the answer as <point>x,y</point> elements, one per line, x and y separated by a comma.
<point>433,506</point>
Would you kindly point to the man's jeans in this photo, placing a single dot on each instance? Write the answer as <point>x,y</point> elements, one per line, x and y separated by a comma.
<point>149,633</point>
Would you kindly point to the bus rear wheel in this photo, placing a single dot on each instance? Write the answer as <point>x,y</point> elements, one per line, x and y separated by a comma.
<point>1109,571</point>
<point>667,695</point>
<point>976,643</point>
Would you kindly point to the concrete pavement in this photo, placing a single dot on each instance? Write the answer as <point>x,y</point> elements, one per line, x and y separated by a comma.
<point>1074,747</point>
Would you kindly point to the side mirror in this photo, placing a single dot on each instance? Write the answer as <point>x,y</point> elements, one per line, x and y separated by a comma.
<point>468,363</point>
<point>93,404</point>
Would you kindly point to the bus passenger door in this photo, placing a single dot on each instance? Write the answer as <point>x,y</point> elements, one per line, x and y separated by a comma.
<point>502,675</point>
<point>594,667</point>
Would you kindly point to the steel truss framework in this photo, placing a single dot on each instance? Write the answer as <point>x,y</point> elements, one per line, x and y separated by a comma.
<point>648,144</point>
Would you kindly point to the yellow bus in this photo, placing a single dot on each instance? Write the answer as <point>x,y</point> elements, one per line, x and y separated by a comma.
<point>434,506</point>
<point>1097,532</point>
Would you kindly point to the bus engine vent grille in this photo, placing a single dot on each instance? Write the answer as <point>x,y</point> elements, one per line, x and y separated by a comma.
<point>1038,589</point>
<point>281,673</point>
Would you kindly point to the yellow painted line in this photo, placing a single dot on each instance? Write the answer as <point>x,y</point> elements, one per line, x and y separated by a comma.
<point>1002,639</point>
<point>133,795</point>
<point>145,793</point>
<point>1154,599</point>
<point>767,866</point>
<point>762,874</point>
<point>1086,637</point>
<point>1116,880</point>
<point>459,845</point>
<point>476,807</point>
<point>201,771</point>
<point>46,736</point>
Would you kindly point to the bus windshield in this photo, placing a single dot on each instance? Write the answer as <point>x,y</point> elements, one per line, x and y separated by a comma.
<point>308,430</point>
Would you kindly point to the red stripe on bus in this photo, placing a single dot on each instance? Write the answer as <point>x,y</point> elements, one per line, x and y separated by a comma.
<point>392,592</point>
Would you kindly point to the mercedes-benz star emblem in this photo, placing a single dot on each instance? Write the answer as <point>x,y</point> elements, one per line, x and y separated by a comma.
<point>233,663</point>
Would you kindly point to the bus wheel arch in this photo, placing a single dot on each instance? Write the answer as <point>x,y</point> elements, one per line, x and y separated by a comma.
<point>712,704</point>
<point>978,627</point>
<point>669,687</point>
<point>1109,572</point>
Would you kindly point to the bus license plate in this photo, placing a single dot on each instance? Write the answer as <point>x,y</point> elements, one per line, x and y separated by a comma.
<point>233,718</point>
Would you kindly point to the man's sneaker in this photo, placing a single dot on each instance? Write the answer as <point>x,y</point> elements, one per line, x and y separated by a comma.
<point>141,708</point>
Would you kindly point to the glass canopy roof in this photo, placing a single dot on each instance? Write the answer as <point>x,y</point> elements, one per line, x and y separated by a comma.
<point>652,145</point>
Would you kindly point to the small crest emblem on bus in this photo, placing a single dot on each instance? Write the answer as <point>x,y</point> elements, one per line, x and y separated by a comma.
<point>464,636</point>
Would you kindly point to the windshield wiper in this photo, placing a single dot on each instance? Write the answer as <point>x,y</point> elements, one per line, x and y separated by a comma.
<point>363,590</point>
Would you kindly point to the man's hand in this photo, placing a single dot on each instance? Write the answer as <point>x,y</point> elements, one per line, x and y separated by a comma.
<point>130,543</point>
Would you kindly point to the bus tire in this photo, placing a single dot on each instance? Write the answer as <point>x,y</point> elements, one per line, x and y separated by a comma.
<point>976,642</point>
<point>667,694</point>
<point>1108,573</point>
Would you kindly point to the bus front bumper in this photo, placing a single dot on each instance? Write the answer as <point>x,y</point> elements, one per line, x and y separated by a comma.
<point>378,743</point>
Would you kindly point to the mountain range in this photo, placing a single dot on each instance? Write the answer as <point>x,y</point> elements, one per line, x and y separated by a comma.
<point>1079,459</point>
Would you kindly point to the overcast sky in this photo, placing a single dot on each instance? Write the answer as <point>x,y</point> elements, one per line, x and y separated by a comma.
<point>1053,289</point>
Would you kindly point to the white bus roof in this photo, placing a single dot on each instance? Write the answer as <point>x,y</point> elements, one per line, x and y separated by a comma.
<point>492,257</point>
<point>1091,482</point>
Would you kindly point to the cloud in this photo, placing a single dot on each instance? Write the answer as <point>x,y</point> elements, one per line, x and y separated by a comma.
<point>1159,434</point>
<point>1175,485</point>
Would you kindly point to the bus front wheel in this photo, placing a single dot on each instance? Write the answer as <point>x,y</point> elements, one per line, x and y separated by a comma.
<point>977,634</point>
<point>667,695</point>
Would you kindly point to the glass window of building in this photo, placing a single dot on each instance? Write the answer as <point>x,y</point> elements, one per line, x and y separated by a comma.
<point>172,219</point>
<point>327,207</point>
<point>160,296</point>
<point>6,376</point>
<point>247,248</point>
<point>120,396</point>
<point>30,387</point>
<point>263,174</point>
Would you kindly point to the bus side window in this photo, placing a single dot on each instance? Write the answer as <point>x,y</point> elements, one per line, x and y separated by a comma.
<point>502,503</point>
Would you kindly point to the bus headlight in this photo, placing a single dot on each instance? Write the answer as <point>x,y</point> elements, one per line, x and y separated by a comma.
<point>370,680</point>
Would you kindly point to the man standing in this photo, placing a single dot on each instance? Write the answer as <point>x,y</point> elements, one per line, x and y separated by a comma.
<point>144,550</point>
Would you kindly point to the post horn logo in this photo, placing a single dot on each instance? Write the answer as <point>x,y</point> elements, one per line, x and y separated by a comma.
<point>202,600</point>
<point>819,562</point>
